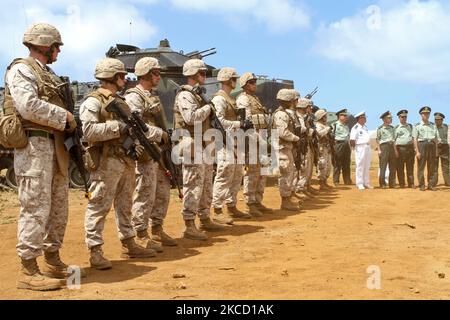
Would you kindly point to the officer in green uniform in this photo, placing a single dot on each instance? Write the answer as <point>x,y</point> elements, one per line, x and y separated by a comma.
<point>341,133</point>
<point>443,149</point>
<point>386,150</point>
<point>404,150</point>
<point>425,137</point>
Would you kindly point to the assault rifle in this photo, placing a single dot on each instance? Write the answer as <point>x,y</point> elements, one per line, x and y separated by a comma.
<point>136,131</point>
<point>310,95</point>
<point>72,141</point>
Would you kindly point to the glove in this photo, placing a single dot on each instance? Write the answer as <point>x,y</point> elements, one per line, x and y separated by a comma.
<point>71,125</point>
<point>165,139</point>
<point>139,150</point>
<point>122,127</point>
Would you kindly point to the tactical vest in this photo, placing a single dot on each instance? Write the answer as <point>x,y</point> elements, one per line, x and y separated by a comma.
<point>179,122</point>
<point>105,96</point>
<point>256,106</point>
<point>153,112</point>
<point>291,122</point>
<point>48,89</point>
<point>48,85</point>
<point>231,109</point>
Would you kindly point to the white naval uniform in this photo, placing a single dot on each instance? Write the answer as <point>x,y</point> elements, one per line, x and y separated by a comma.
<point>362,154</point>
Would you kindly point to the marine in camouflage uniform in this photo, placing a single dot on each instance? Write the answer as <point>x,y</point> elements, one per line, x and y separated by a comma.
<point>324,165</point>
<point>190,111</point>
<point>304,173</point>
<point>284,122</point>
<point>254,180</point>
<point>426,138</point>
<point>386,150</point>
<point>41,166</point>
<point>112,170</point>
<point>152,193</point>
<point>404,150</point>
<point>443,149</point>
<point>229,172</point>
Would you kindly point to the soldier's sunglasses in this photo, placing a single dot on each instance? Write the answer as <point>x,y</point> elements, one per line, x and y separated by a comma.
<point>202,73</point>
<point>156,73</point>
<point>252,82</point>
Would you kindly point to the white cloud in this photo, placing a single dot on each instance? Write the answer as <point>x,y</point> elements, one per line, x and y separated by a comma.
<point>407,42</point>
<point>279,16</point>
<point>88,29</point>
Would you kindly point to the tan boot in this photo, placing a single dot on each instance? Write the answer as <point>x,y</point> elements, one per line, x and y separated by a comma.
<point>253,210</point>
<point>237,214</point>
<point>160,236</point>
<point>264,209</point>
<point>313,191</point>
<point>288,205</point>
<point>30,278</point>
<point>55,268</point>
<point>221,217</point>
<point>97,260</point>
<point>130,250</point>
<point>191,231</point>
<point>144,240</point>
<point>209,225</point>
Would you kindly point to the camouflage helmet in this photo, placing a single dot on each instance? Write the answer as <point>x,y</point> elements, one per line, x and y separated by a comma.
<point>193,66</point>
<point>145,65</point>
<point>286,95</point>
<point>296,94</point>
<point>246,77</point>
<point>107,68</point>
<point>42,34</point>
<point>304,103</point>
<point>226,74</point>
<point>320,114</point>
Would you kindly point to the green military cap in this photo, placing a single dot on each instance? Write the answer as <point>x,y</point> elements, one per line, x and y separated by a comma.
<point>343,112</point>
<point>402,113</point>
<point>387,114</point>
<point>425,109</point>
<point>439,116</point>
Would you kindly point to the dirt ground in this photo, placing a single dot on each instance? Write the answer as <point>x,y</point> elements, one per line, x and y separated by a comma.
<point>323,252</point>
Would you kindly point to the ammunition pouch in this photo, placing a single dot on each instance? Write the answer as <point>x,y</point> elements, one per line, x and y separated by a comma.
<point>259,121</point>
<point>12,134</point>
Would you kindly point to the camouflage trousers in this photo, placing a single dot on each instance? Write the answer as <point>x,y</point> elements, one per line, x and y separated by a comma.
<point>112,182</point>
<point>227,183</point>
<point>324,165</point>
<point>287,169</point>
<point>304,175</point>
<point>197,190</point>
<point>43,197</point>
<point>151,196</point>
<point>254,184</point>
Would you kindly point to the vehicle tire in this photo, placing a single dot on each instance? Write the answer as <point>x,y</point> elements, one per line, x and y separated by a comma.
<point>75,179</point>
<point>11,178</point>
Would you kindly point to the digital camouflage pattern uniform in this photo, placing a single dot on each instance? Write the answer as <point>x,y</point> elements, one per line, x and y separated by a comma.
<point>324,165</point>
<point>114,180</point>
<point>189,109</point>
<point>152,193</point>
<point>42,166</point>
<point>229,173</point>
<point>254,181</point>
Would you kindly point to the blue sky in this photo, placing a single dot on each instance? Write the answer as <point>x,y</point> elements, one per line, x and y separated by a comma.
<point>394,55</point>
